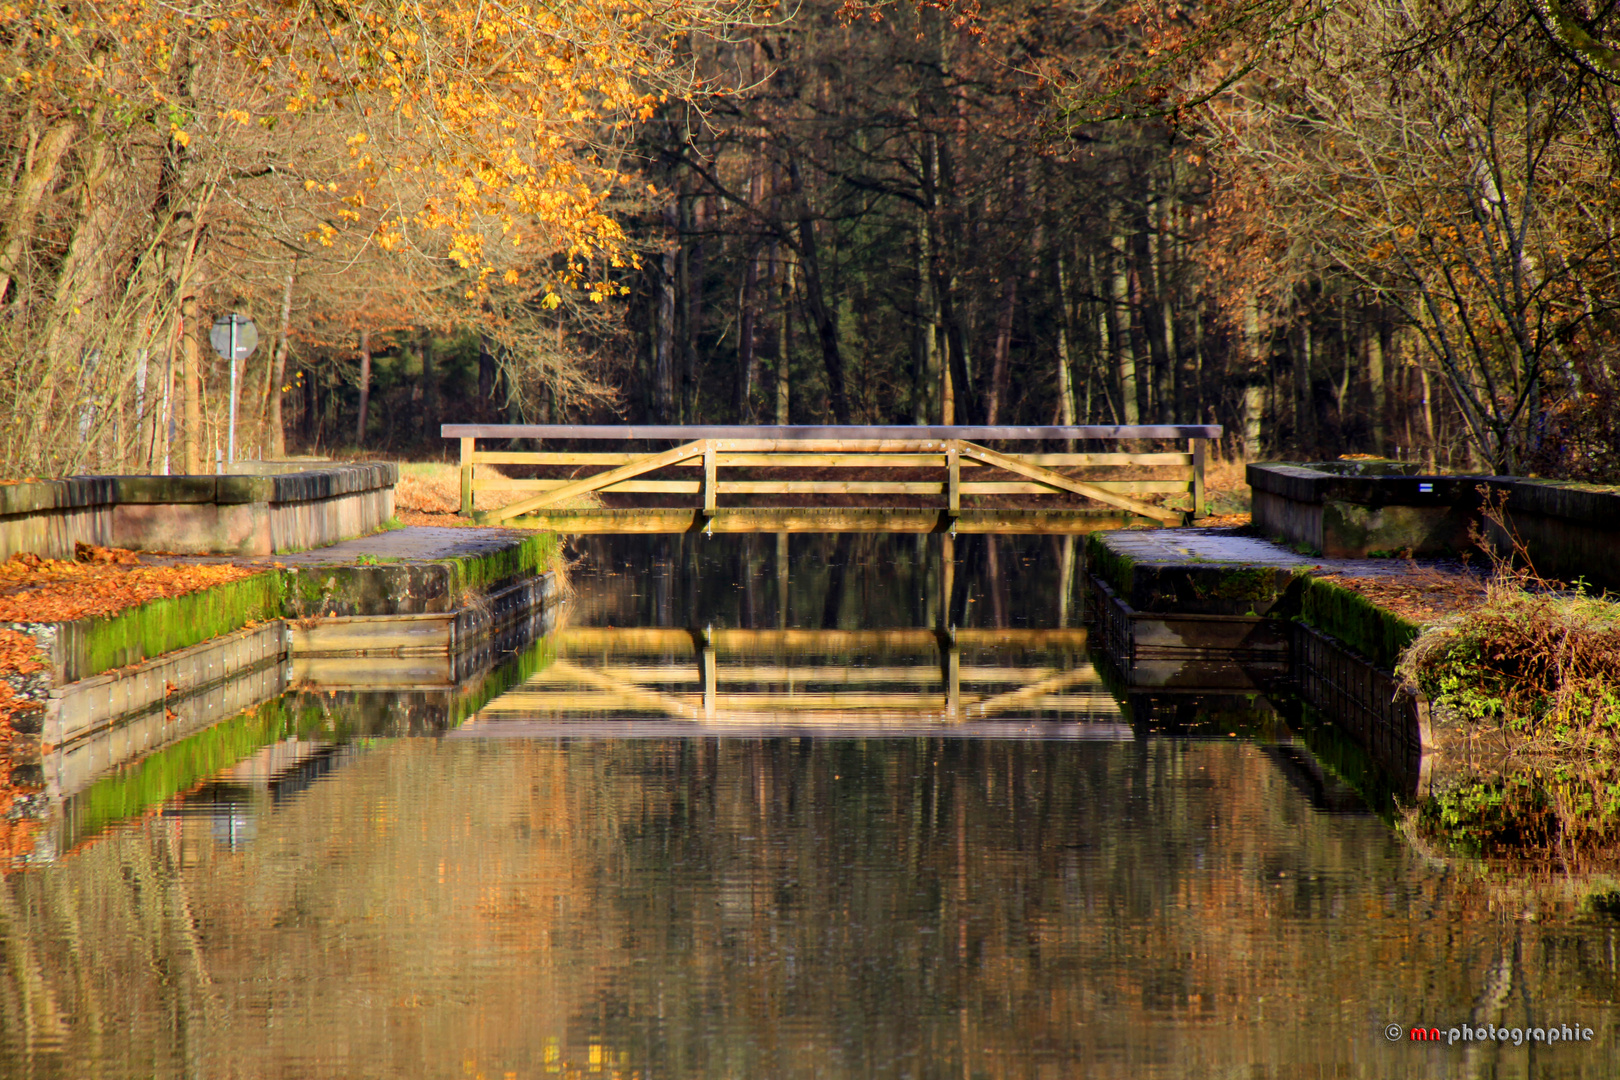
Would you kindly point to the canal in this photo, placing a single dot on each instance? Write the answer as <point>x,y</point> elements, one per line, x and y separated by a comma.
<point>816,806</point>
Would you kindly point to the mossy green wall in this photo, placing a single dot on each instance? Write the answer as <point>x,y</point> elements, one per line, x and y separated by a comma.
<point>1377,634</point>
<point>90,646</point>
<point>1109,565</point>
<point>478,573</point>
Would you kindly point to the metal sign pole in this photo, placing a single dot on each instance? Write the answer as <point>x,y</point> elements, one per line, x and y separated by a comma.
<point>234,338</point>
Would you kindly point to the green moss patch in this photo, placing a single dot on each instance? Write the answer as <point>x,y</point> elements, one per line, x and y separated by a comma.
<point>88,647</point>
<point>1379,635</point>
<point>480,573</point>
<point>1109,565</point>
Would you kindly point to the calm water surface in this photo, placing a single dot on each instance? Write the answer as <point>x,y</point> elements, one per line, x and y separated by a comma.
<point>801,813</point>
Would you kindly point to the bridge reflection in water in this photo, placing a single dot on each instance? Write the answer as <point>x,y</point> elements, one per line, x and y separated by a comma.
<point>644,682</point>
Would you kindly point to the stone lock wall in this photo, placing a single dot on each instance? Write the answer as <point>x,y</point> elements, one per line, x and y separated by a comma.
<point>1353,509</point>
<point>195,515</point>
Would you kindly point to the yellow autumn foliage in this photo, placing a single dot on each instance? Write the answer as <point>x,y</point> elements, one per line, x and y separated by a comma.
<point>431,150</point>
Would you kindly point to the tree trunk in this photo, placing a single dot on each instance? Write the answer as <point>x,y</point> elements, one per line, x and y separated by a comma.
<point>691,268</point>
<point>278,372</point>
<point>1304,402</point>
<point>1119,308</point>
<point>84,276</point>
<point>430,392</point>
<point>816,300</point>
<point>37,180</point>
<point>365,386</point>
<point>1254,386</point>
<point>1003,348</point>
<point>1064,375</point>
<point>1377,406</point>
<point>664,331</point>
<point>784,342</point>
<point>1147,294</point>
<point>924,340</point>
<point>747,352</point>
<point>191,390</point>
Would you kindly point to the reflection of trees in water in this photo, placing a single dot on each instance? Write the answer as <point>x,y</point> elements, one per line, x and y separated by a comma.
<point>769,908</point>
<point>836,581</point>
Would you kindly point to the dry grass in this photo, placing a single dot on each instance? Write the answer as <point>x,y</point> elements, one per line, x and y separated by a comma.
<point>434,488</point>
<point>1540,661</point>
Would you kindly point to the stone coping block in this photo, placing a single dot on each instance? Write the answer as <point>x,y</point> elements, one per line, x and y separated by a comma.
<point>1586,504</point>
<point>1350,509</point>
<point>34,496</point>
<point>1318,484</point>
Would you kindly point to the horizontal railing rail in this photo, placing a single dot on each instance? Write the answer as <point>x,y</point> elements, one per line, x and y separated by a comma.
<point>953,449</point>
<point>688,432</point>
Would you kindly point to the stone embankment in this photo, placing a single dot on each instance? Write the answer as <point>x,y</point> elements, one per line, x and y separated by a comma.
<point>1325,609</point>
<point>1215,610</point>
<point>331,595</point>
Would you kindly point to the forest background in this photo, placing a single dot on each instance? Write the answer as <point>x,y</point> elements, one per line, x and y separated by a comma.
<point>1372,226</point>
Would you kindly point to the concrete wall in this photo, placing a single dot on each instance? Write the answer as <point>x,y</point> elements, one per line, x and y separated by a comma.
<point>1569,530</point>
<point>194,515</point>
<point>1348,510</point>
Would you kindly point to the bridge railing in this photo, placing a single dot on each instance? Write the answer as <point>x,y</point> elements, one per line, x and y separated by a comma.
<point>952,450</point>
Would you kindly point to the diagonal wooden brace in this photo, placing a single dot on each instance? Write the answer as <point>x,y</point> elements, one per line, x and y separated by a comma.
<point>1024,696</point>
<point>1067,483</point>
<point>601,480</point>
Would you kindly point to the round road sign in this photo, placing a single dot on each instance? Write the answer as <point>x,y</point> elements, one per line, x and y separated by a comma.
<point>246,336</point>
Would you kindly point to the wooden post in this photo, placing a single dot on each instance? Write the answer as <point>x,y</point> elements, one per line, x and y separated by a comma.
<point>708,478</point>
<point>467,477</point>
<point>1065,579</point>
<point>953,682</point>
<point>953,486</point>
<point>707,662</point>
<point>781,580</point>
<point>1197,447</point>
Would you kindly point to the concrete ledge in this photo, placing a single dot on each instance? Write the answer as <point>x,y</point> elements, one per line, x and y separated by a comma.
<point>413,572</point>
<point>234,515</point>
<point>84,648</point>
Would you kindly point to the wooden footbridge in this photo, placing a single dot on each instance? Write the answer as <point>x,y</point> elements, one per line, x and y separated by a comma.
<point>948,478</point>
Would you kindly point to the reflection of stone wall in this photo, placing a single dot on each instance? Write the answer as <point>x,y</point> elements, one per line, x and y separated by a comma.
<point>237,515</point>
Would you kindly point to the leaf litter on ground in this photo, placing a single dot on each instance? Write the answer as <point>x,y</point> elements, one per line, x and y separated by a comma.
<point>98,583</point>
